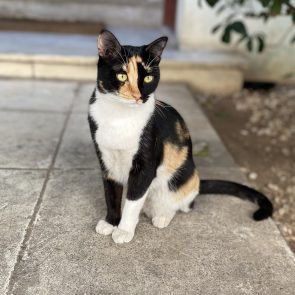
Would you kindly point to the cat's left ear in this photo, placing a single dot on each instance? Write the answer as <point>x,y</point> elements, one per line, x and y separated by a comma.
<point>108,45</point>
<point>156,48</point>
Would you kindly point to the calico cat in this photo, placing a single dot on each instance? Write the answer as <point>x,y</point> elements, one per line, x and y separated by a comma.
<point>143,145</point>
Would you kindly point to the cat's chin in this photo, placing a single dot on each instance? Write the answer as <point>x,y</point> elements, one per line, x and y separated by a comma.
<point>127,101</point>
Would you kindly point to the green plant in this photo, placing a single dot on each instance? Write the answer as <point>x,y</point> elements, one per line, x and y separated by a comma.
<point>232,22</point>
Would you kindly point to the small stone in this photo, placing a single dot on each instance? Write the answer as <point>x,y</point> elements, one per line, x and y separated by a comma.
<point>253,176</point>
<point>286,152</point>
<point>273,187</point>
<point>25,256</point>
<point>283,137</point>
<point>244,169</point>
<point>244,132</point>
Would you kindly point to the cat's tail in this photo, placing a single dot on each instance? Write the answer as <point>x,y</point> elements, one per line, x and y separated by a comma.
<point>223,187</point>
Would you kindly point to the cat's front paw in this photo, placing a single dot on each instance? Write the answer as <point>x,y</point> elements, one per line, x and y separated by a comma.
<point>122,236</point>
<point>104,228</point>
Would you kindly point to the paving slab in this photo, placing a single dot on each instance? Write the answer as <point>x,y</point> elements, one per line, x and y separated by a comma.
<point>83,96</point>
<point>36,95</point>
<point>77,149</point>
<point>30,138</point>
<point>216,249</point>
<point>19,191</point>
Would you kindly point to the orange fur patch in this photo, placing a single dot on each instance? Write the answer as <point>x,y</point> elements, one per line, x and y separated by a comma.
<point>192,185</point>
<point>130,89</point>
<point>174,157</point>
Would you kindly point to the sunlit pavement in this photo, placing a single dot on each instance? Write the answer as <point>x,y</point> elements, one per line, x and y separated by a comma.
<point>51,198</point>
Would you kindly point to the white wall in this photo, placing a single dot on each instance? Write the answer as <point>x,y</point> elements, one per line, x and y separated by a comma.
<point>194,25</point>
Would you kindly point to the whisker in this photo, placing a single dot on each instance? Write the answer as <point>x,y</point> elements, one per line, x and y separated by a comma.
<point>149,58</point>
<point>160,103</point>
<point>152,61</point>
<point>125,55</point>
<point>154,68</point>
<point>121,57</point>
<point>160,111</point>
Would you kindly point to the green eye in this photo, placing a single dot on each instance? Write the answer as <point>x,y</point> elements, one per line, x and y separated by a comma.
<point>148,79</point>
<point>122,77</point>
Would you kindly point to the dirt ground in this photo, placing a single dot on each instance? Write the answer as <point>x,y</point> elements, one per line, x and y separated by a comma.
<point>258,128</point>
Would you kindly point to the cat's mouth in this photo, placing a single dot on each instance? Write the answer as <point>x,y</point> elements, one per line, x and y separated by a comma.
<point>127,100</point>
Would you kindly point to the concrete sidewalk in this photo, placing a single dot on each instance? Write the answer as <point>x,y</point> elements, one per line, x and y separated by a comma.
<point>51,199</point>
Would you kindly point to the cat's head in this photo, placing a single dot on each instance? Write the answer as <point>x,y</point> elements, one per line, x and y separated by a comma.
<point>132,73</point>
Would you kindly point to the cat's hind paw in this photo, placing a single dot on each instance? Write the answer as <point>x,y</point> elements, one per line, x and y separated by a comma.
<point>104,228</point>
<point>161,221</point>
<point>121,236</point>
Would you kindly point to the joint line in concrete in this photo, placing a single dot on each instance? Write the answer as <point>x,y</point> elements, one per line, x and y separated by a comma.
<point>33,220</point>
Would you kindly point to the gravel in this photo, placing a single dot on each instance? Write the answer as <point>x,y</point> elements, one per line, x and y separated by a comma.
<point>258,127</point>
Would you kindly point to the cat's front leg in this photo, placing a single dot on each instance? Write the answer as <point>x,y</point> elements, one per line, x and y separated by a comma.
<point>113,197</point>
<point>138,185</point>
<point>125,231</point>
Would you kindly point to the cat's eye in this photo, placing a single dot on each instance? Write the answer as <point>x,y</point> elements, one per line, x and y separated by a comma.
<point>148,79</point>
<point>122,77</point>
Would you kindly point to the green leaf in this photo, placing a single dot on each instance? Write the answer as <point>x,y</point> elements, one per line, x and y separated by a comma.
<point>249,44</point>
<point>265,3</point>
<point>238,27</point>
<point>276,6</point>
<point>288,75</point>
<point>202,150</point>
<point>212,3</point>
<point>293,17</point>
<point>226,35</point>
<point>293,40</point>
<point>260,40</point>
<point>216,28</point>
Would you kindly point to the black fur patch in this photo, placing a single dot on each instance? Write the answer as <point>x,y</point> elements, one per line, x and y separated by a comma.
<point>113,190</point>
<point>92,99</point>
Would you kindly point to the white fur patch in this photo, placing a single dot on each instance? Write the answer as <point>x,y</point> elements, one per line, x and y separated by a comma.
<point>162,204</point>
<point>121,236</point>
<point>104,228</point>
<point>120,125</point>
<point>130,214</point>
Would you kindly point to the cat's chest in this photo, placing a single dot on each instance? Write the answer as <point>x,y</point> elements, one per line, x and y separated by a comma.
<point>120,125</point>
<point>119,133</point>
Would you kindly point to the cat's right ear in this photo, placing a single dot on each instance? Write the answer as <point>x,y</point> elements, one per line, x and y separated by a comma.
<point>108,45</point>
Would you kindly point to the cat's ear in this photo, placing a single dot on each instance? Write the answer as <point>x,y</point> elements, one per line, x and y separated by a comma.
<point>108,45</point>
<point>156,48</point>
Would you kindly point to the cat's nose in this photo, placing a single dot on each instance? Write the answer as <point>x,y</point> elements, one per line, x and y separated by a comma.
<point>137,96</point>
